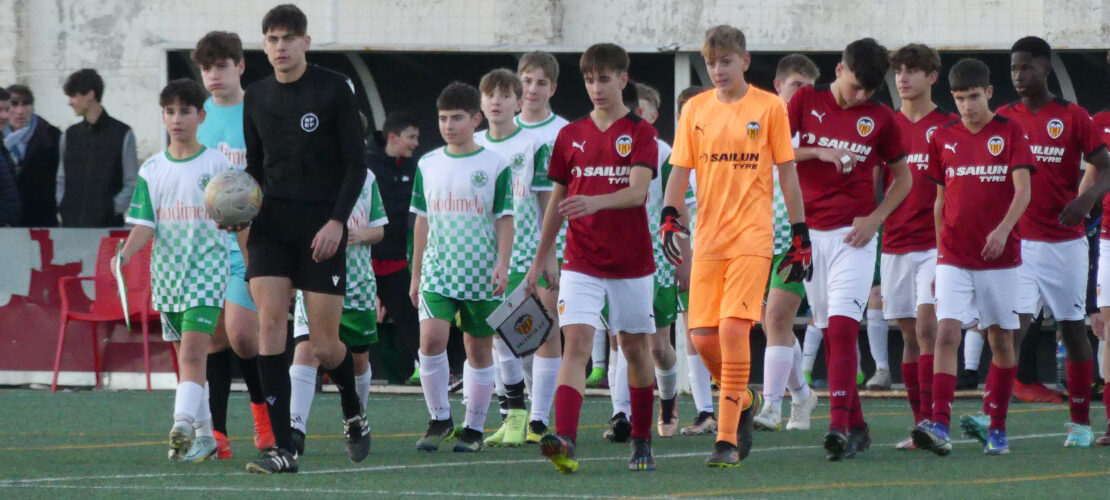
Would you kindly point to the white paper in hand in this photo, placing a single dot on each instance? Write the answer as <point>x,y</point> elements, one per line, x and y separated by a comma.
<point>521,321</point>
<point>121,286</point>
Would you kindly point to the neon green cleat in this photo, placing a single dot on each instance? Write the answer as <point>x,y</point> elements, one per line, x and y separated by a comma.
<point>181,437</point>
<point>1079,436</point>
<point>415,378</point>
<point>860,378</point>
<point>536,431</point>
<point>516,427</point>
<point>596,376</point>
<point>808,376</point>
<point>203,448</point>
<point>497,438</point>
<point>560,450</point>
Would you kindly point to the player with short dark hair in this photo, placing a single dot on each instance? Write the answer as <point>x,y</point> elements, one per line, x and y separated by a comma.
<point>793,72</point>
<point>84,81</point>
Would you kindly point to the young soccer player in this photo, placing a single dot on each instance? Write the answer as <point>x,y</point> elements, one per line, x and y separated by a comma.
<point>1053,237</point>
<point>730,271</point>
<point>189,261</point>
<point>539,75</point>
<point>782,361</point>
<point>843,135</point>
<point>601,166</point>
<point>304,146</point>
<point>219,55</point>
<point>358,327</point>
<point>983,162</point>
<point>527,156</point>
<point>909,254</point>
<point>462,244</point>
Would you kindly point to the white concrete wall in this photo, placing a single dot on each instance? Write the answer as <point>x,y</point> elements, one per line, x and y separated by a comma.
<point>42,41</point>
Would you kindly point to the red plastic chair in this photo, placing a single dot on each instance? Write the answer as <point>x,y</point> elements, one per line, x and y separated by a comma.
<point>107,307</point>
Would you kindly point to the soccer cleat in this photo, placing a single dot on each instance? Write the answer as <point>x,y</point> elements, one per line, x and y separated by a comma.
<point>905,445</point>
<point>438,431</point>
<point>860,378</point>
<point>704,423</point>
<point>769,418</point>
<point>357,435</point>
<point>415,378</point>
<point>1104,440</point>
<point>801,411</point>
<point>223,446</point>
<point>181,437</point>
<point>880,381</point>
<point>495,439</point>
<point>468,441</point>
<point>274,461</point>
<point>1035,393</point>
<point>976,427</point>
<point>745,430</point>
<point>620,429</point>
<point>667,428</point>
<point>1079,436</point>
<point>263,432</point>
<point>724,455</point>
<point>203,448</point>
<point>597,374</point>
<point>536,430</point>
<point>560,450</point>
<point>836,445</point>
<point>933,437</point>
<point>642,457</point>
<point>454,383</point>
<point>516,428</point>
<point>967,380</point>
<point>997,444</point>
<point>859,439</point>
<point>298,441</point>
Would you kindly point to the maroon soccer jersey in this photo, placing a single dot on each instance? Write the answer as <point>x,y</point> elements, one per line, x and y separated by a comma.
<point>1101,127</point>
<point>976,172</point>
<point>1060,136</point>
<point>610,243</point>
<point>833,199</point>
<point>910,227</point>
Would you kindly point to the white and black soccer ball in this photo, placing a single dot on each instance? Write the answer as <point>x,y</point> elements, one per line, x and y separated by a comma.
<point>232,198</point>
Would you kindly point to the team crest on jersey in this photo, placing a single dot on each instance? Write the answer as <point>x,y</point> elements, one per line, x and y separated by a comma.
<point>624,145</point>
<point>479,178</point>
<point>517,161</point>
<point>309,122</point>
<point>929,133</point>
<point>1055,128</point>
<point>753,130</point>
<point>523,324</point>
<point>865,125</point>
<point>202,183</point>
<point>995,145</point>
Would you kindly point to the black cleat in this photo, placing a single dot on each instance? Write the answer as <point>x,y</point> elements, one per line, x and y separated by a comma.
<point>357,434</point>
<point>620,429</point>
<point>859,439</point>
<point>967,380</point>
<point>438,431</point>
<point>746,428</point>
<point>274,461</point>
<point>837,446</point>
<point>642,458</point>
<point>298,442</point>
<point>724,455</point>
<point>468,440</point>
<point>454,383</point>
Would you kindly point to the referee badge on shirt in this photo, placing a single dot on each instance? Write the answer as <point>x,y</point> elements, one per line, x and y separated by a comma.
<point>1055,128</point>
<point>624,145</point>
<point>864,126</point>
<point>309,122</point>
<point>753,130</point>
<point>995,145</point>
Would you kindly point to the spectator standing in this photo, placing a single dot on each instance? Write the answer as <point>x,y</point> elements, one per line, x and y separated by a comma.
<point>10,207</point>
<point>32,143</point>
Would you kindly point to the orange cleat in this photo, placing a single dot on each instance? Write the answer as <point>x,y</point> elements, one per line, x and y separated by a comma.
<point>223,447</point>
<point>263,433</point>
<point>1036,393</point>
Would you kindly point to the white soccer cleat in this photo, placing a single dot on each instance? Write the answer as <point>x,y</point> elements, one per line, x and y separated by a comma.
<point>769,418</point>
<point>801,410</point>
<point>880,380</point>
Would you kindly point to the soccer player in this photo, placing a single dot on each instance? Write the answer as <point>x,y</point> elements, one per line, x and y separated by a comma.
<point>735,224</point>
<point>219,55</point>
<point>462,244</point>
<point>843,135</point>
<point>304,146</point>
<point>189,261</point>
<point>1053,237</point>
<point>782,361</point>
<point>982,161</point>
<point>527,157</point>
<point>539,75</point>
<point>909,246</point>
<point>358,327</point>
<point>601,166</point>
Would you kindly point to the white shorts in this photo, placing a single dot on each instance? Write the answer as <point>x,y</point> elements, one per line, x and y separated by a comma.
<point>907,281</point>
<point>1054,276</point>
<point>300,318</point>
<point>842,276</point>
<point>582,296</point>
<point>1103,279</point>
<point>983,297</point>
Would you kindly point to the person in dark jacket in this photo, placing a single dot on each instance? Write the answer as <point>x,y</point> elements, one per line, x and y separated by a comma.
<point>32,144</point>
<point>10,207</point>
<point>99,166</point>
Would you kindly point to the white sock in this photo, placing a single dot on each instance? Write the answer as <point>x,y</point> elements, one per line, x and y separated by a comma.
<point>877,336</point>
<point>597,355</point>
<point>527,364</point>
<point>700,383</point>
<point>499,383</point>
<point>186,402</point>
<point>508,365</point>
<point>1100,354</point>
<point>203,424</point>
<point>667,380</point>
<point>612,365</point>
<point>777,361</point>
<point>618,389</point>
<point>362,385</point>
<point>973,349</point>
<point>811,347</point>
<point>478,388</point>
<point>796,381</point>
<point>544,373</point>
<point>434,375</point>
<point>302,384</point>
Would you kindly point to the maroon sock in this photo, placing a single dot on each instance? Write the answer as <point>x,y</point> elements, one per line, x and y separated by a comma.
<point>989,405</point>
<point>643,404</point>
<point>855,416</point>
<point>840,341</point>
<point>925,385</point>
<point>568,406</point>
<point>913,389</point>
<point>1080,376</point>
<point>1000,395</point>
<point>944,390</point>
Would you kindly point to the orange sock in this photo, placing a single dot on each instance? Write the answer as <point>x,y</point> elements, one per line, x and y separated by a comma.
<point>736,363</point>
<point>709,348</point>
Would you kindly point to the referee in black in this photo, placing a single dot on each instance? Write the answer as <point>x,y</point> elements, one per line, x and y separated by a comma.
<point>304,146</point>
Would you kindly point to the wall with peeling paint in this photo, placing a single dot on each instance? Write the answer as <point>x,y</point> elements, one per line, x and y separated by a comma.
<point>42,41</point>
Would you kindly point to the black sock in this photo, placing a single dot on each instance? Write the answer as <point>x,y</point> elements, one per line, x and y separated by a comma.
<point>666,408</point>
<point>249,367</point>
<point>514,395</point>
<point>218,371</point>
<point>343,376</point>
<point>274,374</point>
<point>503,404</point>
<point>1027,357</point>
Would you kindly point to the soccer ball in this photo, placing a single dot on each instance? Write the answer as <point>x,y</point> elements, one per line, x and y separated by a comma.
<point>232,198</point>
